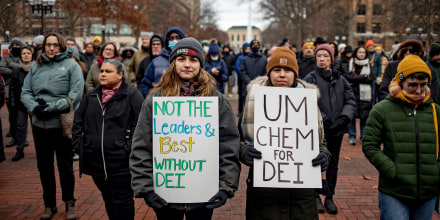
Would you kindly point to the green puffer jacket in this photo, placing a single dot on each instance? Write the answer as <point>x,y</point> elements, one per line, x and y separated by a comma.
<point>407,164</point>
<point>53,81</point>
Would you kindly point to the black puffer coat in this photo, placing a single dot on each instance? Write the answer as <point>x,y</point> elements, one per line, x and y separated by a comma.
<point>337,98</point>
<point>103,134</point>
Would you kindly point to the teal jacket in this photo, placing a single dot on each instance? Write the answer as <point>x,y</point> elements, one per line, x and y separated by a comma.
<point>408,165</point>
<point>52,82</point>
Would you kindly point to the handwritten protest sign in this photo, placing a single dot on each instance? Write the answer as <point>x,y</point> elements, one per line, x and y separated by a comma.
<point>286,132</point>
<point>185,148</point>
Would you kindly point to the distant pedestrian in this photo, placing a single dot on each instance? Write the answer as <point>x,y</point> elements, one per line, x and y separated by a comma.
<point>337,104</point>
<point>360,76</point>
<point>229,58</point>
<point>401,140</point>
<point>138,56</point>
<point>161,63</point>
<point>307,61</point>
<point>216,66</point>
<point>17,80</point>
<point>434,60</point>
<point>156,46</point>
<point>245,50</point>
<point>376,66</point>
<point>88,57</point>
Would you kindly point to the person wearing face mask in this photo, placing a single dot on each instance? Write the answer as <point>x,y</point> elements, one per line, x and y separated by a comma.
<point>252,66</point>
<point>161,63</point>
<point>337,105</point>
<point>126,59</point>
<point>205,45</point>
<point>215,66</point>
<point>156,45</point>
<point>7,65</point>
<point>245,51</point>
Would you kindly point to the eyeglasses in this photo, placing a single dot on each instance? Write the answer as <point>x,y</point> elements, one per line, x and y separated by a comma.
<point>108,49</point>
<point>49,45</point>
<point>156,45</point>
<point>411,50</point>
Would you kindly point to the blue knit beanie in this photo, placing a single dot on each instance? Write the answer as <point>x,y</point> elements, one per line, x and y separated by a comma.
<point>213,49</point>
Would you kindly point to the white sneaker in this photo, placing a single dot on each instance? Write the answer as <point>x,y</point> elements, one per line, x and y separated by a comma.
<point>352,141</point>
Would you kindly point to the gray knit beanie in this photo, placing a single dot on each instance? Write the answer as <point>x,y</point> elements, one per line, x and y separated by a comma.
<point>189,47</point>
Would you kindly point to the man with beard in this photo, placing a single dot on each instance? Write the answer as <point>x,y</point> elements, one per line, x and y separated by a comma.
<point>156,45</point>
<point>89,56</point>
<point>138,57</point>
<point>307,62</point>
<point>434,59</point>
<point>7,64</point>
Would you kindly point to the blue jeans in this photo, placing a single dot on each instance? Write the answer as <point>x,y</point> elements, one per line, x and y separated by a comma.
<point>352,129</point>
<point>392,208</point>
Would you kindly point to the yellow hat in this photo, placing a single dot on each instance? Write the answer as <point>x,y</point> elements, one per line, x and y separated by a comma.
<point>97,38</point>
<point>409,65</point>
<point>378,48</point>
<point>307,44</point>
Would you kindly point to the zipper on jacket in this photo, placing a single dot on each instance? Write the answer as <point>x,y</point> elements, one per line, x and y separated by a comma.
<point>102,136</point>
<point>417,154</point>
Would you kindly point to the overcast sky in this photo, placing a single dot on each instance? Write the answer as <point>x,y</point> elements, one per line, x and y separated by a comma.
<point>231,12</point>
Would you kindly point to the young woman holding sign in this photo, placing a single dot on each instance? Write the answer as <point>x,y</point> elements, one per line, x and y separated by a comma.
<point>185,77</point>
<point>102,131</point>
<point>278,203</point>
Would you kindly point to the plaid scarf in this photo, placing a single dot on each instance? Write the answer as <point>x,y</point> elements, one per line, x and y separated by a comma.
<point>188,88</point>
<point>397,92</point>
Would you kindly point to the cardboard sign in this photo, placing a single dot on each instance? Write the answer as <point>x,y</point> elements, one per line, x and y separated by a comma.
<point>185,148</point>
<point>286,132</point>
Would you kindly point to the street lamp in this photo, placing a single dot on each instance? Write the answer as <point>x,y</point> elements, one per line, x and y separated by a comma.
<point>103,33</point>
<point>7,36</point>
<point>336,38</point>
<point>420,30</point>
<point>42,6</point>
<point>343,38</point>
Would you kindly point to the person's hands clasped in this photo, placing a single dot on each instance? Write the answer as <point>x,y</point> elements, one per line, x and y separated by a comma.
<point>40,113</point>
<point>155,201</point>
<point>340,123</point>
<point>217,200</point>
<point>322,159</point>
<point>250,154</point>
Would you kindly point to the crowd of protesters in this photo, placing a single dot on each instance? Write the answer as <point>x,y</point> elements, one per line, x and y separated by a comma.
<point>108,92</point>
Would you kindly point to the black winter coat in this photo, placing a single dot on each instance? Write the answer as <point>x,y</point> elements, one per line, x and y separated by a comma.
<point>362,107</point>
<point>252,66</point>
<point>305,66</point>
<point>103,134</point>
<point>390,72</point>
<point>337,98</point>
<point>17,80</point>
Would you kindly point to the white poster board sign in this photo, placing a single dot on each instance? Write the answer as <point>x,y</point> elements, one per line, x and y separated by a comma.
<point>286,133</point>
<point>185,148</point>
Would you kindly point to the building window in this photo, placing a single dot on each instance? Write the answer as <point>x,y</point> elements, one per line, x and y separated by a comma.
<point>244,37</point>
<point>360,27</point>
<point>436,26</point>
<point>377,9</point>
<point>36,31</point>
<point>376,28</point>
<point>95,29</point>
<point>232,37</point>
<point>238,37</point>
<point>125,30</point>
<point>255,37</point>
<point>361,9</point>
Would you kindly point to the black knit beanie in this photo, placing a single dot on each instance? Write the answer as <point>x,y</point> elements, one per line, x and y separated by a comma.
<point>189,47</point>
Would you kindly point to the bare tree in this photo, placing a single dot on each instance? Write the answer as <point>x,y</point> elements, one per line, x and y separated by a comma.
<point>12,19</point>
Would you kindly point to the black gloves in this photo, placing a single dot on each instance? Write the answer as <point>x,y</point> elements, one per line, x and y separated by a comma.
<point>155,201</point>
<point>249,154</point>
<point>322,159</point>
<point>40,113</point>
<point>339,124</point>
<point>217,200</point>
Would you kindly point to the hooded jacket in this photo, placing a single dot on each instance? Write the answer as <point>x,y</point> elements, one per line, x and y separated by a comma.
<point>52,82</point>
<point>159,64</point>
<point>147,60</point>
<point>408,165</point>
<point>141,159</point>
<point>252,66</point>
<point>17,80</point>
<point>103,134</point>
<point>7,65</point>
<point>337,97</point>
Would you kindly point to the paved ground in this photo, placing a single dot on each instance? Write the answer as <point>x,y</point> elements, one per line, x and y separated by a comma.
<point>21,192</point>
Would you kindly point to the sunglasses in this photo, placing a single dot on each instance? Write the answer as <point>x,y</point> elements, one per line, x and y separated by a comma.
<point>411,50</point>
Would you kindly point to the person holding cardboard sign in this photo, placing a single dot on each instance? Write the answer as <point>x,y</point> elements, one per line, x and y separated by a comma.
<point>185,77</point>
<point>278,203</point>
<point>401,141</point>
